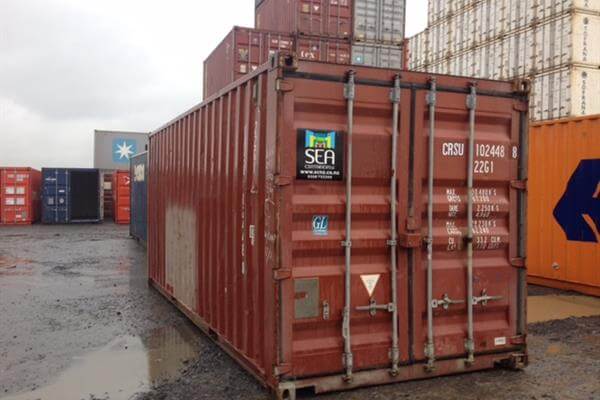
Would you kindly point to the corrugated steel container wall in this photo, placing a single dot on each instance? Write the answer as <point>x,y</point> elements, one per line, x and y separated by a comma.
<point>19,195</point>
<point>564,204</point>
<point>327,18</point>
<point>121,197</point>
<point>377,55</point>
<point>245,233</point>
<point>380,21</point>
<point>244,49</point>
<point>138,227</point>
<point>71,195</point>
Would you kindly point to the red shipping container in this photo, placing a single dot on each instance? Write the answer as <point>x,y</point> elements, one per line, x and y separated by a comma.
<point>328,226</point>
<point>244,49</point>
<point>20,195</point>
<point>121,191</point>
<point>328,18</point>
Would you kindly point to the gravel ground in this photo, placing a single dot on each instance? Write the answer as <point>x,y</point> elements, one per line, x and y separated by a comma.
<point>80,322</point>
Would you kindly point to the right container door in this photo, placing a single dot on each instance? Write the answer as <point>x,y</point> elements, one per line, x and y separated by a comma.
<point>495,216</point>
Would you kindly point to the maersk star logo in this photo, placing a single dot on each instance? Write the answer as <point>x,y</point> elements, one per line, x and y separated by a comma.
<point>123,149</point>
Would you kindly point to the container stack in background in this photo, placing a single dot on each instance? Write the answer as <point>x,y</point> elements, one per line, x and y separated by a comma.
<point>361,32</point>
<point>550,41</point>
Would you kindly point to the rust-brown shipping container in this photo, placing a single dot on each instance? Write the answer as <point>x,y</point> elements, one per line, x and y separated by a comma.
<point>244,49</point>
<point>327,18</point>
<point>19,195</point>
<point>332,229</point>
<point>564,204</point>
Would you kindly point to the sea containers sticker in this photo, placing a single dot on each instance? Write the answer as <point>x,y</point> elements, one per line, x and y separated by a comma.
<point>320,155</point>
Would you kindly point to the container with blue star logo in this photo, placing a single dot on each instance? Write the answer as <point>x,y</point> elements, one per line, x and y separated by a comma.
<point>123,149</point>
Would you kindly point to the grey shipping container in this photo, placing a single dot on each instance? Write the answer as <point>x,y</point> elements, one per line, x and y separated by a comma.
<point>377,55</point>
<point>71,195</point>
<point>112,149</point>
<point>138,226</point>
<point>379,21</point>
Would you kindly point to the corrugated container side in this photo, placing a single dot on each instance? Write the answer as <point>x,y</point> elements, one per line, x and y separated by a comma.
<point>306,17</point>
<point>19,195</point>
<point>564,204</point>
<point>250,240</point>
<point>138,227</point>
<point>380,21</point>
<point>121,197</point>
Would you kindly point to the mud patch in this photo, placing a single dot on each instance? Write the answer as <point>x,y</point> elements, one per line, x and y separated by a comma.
<point>548,308</point>
<point>65,271</point>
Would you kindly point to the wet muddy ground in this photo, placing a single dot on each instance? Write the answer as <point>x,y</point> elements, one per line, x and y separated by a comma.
<point>78,321</point>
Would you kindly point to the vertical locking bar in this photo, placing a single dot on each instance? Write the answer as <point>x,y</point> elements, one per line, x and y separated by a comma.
<point>395,98</point>
<point>430,349</point>
<point>469,343</point>
<point>349,94</point>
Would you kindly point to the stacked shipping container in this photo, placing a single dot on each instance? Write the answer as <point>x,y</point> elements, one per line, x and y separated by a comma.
<point>364,32</point>
<point>378,34</point>
<point>19,195</point>
<point>548,41</point>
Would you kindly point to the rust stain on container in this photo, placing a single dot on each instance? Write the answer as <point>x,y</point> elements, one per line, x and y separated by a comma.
<point>564,204</point>
<point>260,198</point>
<point>19,195</point>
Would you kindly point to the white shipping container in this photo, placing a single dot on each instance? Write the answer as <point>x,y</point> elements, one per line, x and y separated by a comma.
<point>418,52</point>
<point>567,92</point>
<point>380,21</point>
<point>377,55</point>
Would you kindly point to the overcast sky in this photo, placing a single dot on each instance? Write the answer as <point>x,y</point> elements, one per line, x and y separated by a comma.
<point>68,67</point>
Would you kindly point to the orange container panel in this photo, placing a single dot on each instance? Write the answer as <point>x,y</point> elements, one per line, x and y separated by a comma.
<point>121,188</point>
<point>564,204</point>
<point>19,195</point>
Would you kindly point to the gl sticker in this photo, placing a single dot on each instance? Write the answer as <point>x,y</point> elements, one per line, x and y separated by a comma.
<point>320,225</point>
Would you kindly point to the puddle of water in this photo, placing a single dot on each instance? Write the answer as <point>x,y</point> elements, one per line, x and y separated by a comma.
<point>548,308</point>
<point>126,366</point>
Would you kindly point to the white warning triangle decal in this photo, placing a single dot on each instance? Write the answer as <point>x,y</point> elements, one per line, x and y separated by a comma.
<point>370,282</point>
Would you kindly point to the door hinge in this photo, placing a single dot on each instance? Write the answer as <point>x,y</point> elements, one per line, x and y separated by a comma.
<point>282,85</point>
<point>282,274</point>
<point>518,262</point>
<point>282,369</point>
<point>519,339</point>
<point>281,180</point>
<point>519,185</point>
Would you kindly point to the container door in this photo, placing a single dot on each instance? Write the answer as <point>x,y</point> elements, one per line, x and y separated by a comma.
<point>330,335</point>
<point>122,197</point>
<point>441,322</point>
<point>16,198</point>
<point>310,17</point>
<point>55,196</point>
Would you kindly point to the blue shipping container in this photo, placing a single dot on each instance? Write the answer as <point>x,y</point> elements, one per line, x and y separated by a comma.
<point>139,197</point>
<point>71,195</point>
